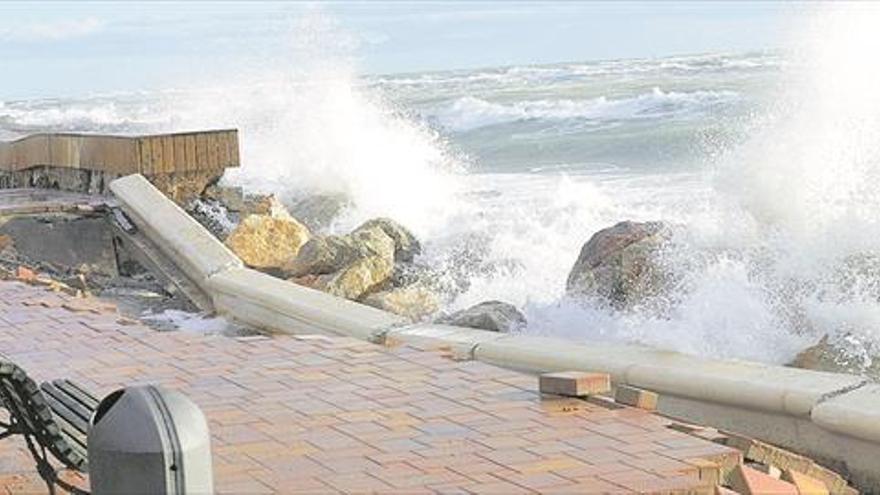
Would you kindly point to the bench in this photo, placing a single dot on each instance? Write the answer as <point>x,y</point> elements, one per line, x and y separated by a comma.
<point>53,418</point>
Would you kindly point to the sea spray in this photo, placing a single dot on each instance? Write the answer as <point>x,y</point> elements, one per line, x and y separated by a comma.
<point>808,179</point>
<point>776,243</point>
<point>308,125</point>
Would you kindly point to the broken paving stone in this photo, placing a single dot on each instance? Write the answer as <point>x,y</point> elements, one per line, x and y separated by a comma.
<point>574,383</point>
<point>768,469</point>
<point>704,432</point>
<point>720,490</point>
<point>709,472</point>
<point>806,485</point>
<point>748,481</point>
<point>758,451</point>
<point>25,274</point>
<point>636,397</point>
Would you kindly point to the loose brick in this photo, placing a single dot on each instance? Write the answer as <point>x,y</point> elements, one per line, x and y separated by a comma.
<point>748,481</point>
<point>720,490</point>
<point>574,383</point>
<point>709,472</point>
<point>806,485</point>
<point>25,274</point>
<point>758,451</point>
<point>636,397</point>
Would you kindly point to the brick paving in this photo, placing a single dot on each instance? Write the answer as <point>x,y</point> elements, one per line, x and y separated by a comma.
<point>313,414</point>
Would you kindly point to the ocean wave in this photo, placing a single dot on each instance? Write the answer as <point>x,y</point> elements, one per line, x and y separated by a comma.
<point>691,65</point>
<point>468,112</point>
<point>100,114</point>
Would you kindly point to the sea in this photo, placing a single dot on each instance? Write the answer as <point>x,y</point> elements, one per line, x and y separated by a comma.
<point>766,163</point>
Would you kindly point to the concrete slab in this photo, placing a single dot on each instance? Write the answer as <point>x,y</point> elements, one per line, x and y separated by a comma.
<point>855,413</point>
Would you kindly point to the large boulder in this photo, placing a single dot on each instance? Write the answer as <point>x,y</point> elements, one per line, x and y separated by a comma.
<point>361,277</point>
<point>495,316</point>
<point>619,264</point>
<point>235,200</point>
<point>264,204</point>
<point>841,354</point>
<point>406,246</point>
<point>414,302</point>
<point>349,266</point>
<point>329,254</point>
<point>267,242</point>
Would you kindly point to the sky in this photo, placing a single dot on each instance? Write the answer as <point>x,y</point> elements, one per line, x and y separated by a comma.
<point>70,48</point>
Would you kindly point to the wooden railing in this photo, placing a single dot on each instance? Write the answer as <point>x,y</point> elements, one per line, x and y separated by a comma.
<point>147,155</point>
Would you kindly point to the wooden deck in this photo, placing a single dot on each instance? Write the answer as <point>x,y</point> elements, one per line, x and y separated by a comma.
<point>122,155</point>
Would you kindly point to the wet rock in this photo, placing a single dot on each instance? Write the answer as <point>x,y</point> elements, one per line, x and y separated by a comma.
<point>230,197</point>
<point>842,354</point>
<point>496,316</point>
<point>413,302</point>
<point>318,211</point>
<point>618,264</point>
<point>267,242</point>
<point>349,266</point>
<point>183,187</point>
<point>406,246</point>
<point>359,278</point>
<point>213,215</point>
<point>329,254</point>
<point>264,204</point>
<point>241,204</point>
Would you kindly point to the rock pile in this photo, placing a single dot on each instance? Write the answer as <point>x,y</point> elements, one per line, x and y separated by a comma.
<point>360,266</point>
<point>375,264</point>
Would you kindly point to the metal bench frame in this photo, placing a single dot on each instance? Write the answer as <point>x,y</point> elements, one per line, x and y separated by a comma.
<point>50,418</point>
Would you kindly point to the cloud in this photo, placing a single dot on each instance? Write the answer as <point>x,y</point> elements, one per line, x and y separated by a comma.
<point>52,31</point>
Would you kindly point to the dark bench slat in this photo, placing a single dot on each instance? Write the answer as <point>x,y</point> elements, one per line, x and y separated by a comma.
<point>80,394</point>
<point>69,407</point>
<point>60,411</point>
<point>30,405</point>
<point>75,438</point>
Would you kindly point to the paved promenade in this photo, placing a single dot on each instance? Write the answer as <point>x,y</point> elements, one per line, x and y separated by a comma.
<point>328,415</point>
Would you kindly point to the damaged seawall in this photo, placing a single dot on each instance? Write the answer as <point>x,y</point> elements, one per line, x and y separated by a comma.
<point>832,417</point>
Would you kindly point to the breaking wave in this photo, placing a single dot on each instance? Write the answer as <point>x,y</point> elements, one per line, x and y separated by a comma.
<point>468,113</point>
<point>781,245</point>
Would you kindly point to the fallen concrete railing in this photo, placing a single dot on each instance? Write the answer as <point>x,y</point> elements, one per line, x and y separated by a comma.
<point>247,295</point>
<point>832,417</point>
<point>281,306</point>
<point>198,254</point>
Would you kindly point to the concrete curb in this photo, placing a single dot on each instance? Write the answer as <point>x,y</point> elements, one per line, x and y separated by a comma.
<point>281,306</point>
<point>831,417</point>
